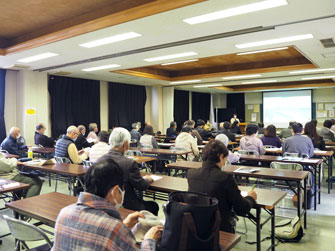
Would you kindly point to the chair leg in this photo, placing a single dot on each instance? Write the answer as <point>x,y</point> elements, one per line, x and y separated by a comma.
<point>56,185</point>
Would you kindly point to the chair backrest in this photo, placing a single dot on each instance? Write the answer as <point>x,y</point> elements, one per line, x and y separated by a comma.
<point>87,163</point>
<point>175,148</point>
<point>134,153</point>
<point>248,152</point>
<point>146,146</point>
<point>24,231</point>
<point>269,146</point>
<point>288,166</point>
<point>291,154</point>
<point>63,160</point>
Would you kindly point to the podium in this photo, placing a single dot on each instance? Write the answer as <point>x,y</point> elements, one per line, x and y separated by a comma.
<point>242,127</point>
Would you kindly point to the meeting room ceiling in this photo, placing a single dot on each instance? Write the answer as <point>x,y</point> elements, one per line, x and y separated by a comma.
<point>158,28</point>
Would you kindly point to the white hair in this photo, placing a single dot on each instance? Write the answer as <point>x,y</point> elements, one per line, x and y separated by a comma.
<point>71,129</point>
<point>223,138</point>
<point>118,136</point>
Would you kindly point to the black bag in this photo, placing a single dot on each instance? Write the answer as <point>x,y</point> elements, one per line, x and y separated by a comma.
<point>192,222</point>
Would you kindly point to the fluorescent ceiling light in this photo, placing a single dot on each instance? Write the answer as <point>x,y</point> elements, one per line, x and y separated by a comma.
<point>236,11</point>
<point>243,76</point>
<point>186,81</point>
<point>313,70</point>
<point>275,41</point>
<point>320,77</point>
<point>109,40</point>
<point>181,62</point>
<point>38,57</point>
<point>260,81</point>
<point>103,67</point>
<point>260,51</point>
<point>201,86</point>
<point>179,55</point>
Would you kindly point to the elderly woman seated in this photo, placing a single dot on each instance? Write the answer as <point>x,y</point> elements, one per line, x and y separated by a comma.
<point>232,157</point>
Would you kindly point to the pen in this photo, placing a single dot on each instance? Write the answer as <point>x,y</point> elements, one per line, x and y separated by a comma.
<point>253,187</point>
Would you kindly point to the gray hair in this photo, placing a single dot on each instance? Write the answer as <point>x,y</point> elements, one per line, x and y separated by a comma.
<point>118,136</point>
<point>135,125</point>
<point>72,129</point>
<point>223,138</point>
<point>92,126</point>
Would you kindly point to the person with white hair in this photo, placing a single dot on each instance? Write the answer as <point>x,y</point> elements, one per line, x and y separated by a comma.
<point>92,135</point>
<point>65,147</point>
<point>232,157</point>
<point>132,179</point>
<point>11,145</point>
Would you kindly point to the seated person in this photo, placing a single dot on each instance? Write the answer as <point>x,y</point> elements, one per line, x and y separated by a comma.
<point>81,142</point>
<point>8,170</point>
<point>235,128</point>
<point>186,141</point>
<point>11,146</point>
<point>148,139</point>
<point>232,157</point>
<point>195,133</point>
<point>261,129</point>
<point>132,179</point>
<point>298,143</point>
<point>65,146</point>
<point>171,131</point>
<point>205,135</point>
<point>135,132</point>
<point>92,135</point>
<point>325,132</point>
<point>270,137</point>
<point>225,129</point>
<point>100,226</point>
<point>211,180</point>
<point>333,125</point>
<point>100,148</point>
<point>286,132</point>
<point>41,139</point>
<point>310,131</point>
<point>250,141</point>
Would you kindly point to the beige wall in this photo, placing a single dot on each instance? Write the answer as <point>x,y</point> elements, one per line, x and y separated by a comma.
<point>168,101</point>
<point>154,107</point>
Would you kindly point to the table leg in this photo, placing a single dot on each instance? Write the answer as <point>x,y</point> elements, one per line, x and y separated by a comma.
<point>315,186</point>
<point>330,172</point>
<point>258,228</point>
<point>319,181</point>
<point>273,228</point>
<point>299,199</point>
<point>305,202</point>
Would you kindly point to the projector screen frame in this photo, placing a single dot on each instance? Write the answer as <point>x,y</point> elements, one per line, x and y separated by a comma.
<point>263,112</point>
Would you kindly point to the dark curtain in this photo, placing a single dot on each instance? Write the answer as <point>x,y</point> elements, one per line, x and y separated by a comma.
<point>237,102</point>
<point>73,101</point>
<point>126,104</point>
<point>201,103</point>
<point>2,105</point>
<point>181,107</point>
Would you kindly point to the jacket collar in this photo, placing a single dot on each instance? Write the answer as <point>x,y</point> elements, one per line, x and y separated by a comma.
<point>68,138</point>
<point>97,202</point>
<point>209,164</point>
<point>115,152</point>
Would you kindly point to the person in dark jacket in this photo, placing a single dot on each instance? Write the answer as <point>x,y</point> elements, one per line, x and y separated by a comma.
<point>171,131</point>
<point>81,142</point>
<point>205,135</point>
<point>224,128</point>
<point>261,129</point>
<point>11,146</point>
<point>211,180</point>
<point>235,128</point>
<point>270,137</point>
<point>310,131</point>
<point>135,132</point>
<point>132,179</point>
<point>41,139</point>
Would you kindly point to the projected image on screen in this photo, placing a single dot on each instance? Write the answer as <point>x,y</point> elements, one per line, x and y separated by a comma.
<point>279,108</point>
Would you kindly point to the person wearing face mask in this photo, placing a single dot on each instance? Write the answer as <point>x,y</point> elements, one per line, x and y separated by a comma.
<point>100,226</point>
<point>65,147</point>
<point>209,179</point>
<point>132,179</point>
<point>11,146</point>
<point>251,141</point>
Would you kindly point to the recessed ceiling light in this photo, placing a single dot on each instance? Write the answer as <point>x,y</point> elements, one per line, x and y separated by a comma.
<point>186,81</point>
<point>103,67</point>
<point>313,70</point>
<point>179,55</point>
<point>201,86</point>
<point>261,51</point>
<point>236,11</point>
<point>260,82</point>
<point>109,40</point>
<point>243,76</point>
<point>320,77</point>
<point>38,57</point>
<point>181,62</point>
<point>275,41</point>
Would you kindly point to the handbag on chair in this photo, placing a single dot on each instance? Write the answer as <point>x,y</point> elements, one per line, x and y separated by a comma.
<point>192,222</point>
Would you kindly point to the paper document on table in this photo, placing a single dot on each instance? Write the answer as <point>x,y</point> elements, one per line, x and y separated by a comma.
<point>310,160</point>
<point>12,184</point>
<point>246,170</point>
<point>320,152</point>
<point>244,193</point>
<point>156,177</point>
<point>288,158</point>
<point>41,162</point>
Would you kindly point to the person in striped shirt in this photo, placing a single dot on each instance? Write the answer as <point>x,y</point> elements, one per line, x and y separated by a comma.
<point>94,223</point>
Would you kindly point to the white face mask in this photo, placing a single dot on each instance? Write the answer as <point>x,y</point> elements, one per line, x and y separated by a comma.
<point>117,204</point>
<point>18,136</point>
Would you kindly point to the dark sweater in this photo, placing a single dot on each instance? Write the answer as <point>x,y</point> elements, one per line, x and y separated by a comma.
<point>271,141</point>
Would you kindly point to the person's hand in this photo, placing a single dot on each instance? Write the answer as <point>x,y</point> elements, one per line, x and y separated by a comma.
<point>81,151</point>
<point>132,219</point>
<point>252,194</point>
<point>155,233</point>
<point>147,177</point>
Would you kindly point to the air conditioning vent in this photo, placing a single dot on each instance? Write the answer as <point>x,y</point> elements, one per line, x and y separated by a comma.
<point>62,73</point>
<point>328,43</point>
<point>329,55</point>
<point>16,67</point>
